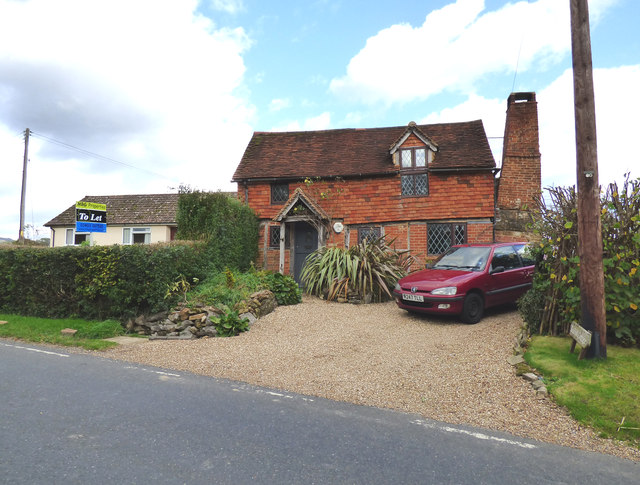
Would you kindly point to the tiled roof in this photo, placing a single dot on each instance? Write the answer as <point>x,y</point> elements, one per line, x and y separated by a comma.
<point>127,209</point>
<point>353,152</point>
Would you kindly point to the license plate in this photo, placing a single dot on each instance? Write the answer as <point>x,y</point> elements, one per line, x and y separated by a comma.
<point>411,297</point>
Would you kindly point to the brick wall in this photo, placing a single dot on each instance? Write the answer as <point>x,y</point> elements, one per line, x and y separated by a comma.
<point>411,236</point>
<point>378,199</point>
<point>520,178</point>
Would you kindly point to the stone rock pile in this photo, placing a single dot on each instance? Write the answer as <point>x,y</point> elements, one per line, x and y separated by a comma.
<point>197,321</point>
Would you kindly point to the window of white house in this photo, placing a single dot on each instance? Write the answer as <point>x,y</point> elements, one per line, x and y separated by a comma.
<point>73,238</point>
<point>136,235</point>
<point>414,179</point>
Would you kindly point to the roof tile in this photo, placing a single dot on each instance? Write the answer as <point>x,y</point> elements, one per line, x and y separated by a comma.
<point>354,152</point>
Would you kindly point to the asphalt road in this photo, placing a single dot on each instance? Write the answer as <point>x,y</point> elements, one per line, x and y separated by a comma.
<point>78,418</point>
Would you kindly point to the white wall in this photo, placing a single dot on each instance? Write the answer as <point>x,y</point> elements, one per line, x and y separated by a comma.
<point>112,236</point>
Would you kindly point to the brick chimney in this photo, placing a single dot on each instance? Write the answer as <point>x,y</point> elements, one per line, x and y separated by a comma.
<point>519,184</point>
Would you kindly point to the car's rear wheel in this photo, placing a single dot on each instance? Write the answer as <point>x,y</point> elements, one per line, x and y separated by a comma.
<point>472,308</point>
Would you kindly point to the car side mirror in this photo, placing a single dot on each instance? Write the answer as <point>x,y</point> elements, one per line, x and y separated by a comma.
<point>497,269</point>
<point>428,265</point>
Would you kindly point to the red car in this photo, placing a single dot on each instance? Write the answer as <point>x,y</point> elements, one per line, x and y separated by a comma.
<point>467,279</point>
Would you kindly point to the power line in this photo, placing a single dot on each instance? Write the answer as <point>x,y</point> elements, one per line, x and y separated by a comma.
<point>95,155</point>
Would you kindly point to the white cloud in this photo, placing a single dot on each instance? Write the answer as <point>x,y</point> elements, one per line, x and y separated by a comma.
<point>279,104</point>
<point>616,126</point>
<point>152,84</point>
<point>320,122</point>
<point>492,112</point>
<point>230,6</point>
<point>455,47</point>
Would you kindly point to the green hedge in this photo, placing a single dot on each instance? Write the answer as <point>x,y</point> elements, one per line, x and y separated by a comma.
<point>94,282</point>
<point>554,302</point>
<point>228,227</point>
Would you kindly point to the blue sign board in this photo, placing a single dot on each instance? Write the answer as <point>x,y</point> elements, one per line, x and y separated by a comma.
<point>90,227</point>
<point>91,217</point>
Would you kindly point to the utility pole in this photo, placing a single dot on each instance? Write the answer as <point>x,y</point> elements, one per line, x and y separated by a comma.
<point>23,194</point>
<point>589,222</point>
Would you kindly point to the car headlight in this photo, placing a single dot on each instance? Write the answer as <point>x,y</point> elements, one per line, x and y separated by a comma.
<point>447,290</point>
<point>397,287</point>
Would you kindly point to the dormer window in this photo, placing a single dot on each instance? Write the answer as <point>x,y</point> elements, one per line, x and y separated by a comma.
<point>412,153</point>
<point>413,178</point>
<point>413,157</point>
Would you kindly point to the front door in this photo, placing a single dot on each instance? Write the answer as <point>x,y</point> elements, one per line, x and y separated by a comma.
<point>305,242</point>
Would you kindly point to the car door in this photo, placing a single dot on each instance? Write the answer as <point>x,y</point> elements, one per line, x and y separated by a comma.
<point>507,280</point>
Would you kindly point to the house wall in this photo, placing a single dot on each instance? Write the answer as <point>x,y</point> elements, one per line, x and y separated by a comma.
<point>112,236</point>
<point>376,201</point>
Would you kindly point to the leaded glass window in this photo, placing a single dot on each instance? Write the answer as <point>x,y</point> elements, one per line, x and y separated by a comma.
<point>440,237</point>
<point>406,159</point>
<point>415,184</point>
<point>368,234</point>
<point>414,179</point>
<point>279,193</point>
<point>274,237</point>
<point>413,157</point>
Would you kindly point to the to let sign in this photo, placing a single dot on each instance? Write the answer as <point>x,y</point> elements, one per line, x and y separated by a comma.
<point>91,217</point>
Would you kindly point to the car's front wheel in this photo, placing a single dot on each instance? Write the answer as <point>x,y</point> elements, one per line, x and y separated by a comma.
<point>472,308</point>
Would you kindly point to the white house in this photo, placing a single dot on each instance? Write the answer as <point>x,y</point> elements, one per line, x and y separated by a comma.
<point>131,219</point>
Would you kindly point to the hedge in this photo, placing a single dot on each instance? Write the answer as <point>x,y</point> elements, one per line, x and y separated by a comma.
<point>228,227</point>
<point>555,301</point>
<point>94,282</point>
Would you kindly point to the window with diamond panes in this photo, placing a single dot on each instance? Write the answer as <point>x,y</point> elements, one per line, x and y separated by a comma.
<point>407,159</point>
<point>368,234</point>
<point>414,181</point>
<point>279,193</point>
<point>274,238</point>
<point>442,236</point>
<point>413,157</point>
<point>416,184</point>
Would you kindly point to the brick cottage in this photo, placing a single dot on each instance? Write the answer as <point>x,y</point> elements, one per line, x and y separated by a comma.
<point>426,187</point>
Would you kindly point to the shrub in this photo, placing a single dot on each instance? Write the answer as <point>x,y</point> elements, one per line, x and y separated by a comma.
<point>368,271</point>
<point>216,290</point>
<point>284,287</point>
<point>557,272</point>
<point>228,288</point>
<point>228,227</point>
<point>229,324</point>
<point>94,282</point>
<point>531,306</point>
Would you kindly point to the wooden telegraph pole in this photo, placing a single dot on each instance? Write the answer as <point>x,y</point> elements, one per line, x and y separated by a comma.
<point>589,222</point>
<point>23,194</point>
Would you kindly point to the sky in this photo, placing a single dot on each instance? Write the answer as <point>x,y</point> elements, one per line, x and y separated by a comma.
<point>145,96</point>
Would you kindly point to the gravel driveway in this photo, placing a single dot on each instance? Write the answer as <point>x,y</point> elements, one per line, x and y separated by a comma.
<point>379,355</point>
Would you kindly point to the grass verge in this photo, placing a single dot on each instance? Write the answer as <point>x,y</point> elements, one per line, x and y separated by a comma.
<point>597,393</point>
<point>90,334</point>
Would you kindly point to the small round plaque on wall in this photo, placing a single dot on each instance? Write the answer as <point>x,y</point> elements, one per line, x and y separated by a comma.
<point>338,227</point>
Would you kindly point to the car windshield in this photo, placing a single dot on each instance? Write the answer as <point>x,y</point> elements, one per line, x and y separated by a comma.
<point>464,258</point>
